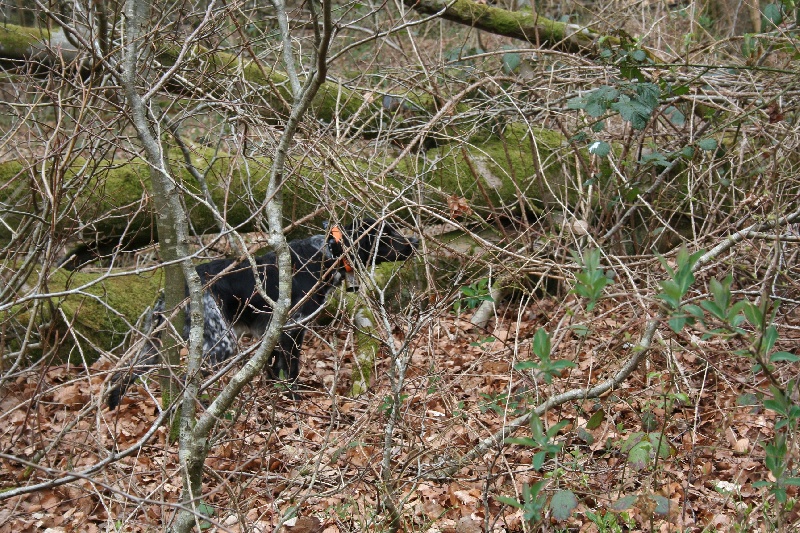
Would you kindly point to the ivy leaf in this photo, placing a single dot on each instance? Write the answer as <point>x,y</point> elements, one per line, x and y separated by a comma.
<point>511,62</point>
<point>708,144</point>
<point>675,116</point>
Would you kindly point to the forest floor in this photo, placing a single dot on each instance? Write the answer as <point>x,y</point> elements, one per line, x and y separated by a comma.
<point>322,454</point>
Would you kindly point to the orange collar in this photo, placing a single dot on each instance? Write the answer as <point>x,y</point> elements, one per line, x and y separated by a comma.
<point>336,233</point>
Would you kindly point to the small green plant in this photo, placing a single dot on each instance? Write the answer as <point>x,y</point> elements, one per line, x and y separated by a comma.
<point>482,343</point>
<point>753,325</point>
<point>503,404</point>
<point>592,279</point>
<point>605,522</point>
<point>473,295</point>
<point>545,366</point>
<point>643,448</point>
<point>681,278</point>
<point>534,501</point>
<point>387,405</point>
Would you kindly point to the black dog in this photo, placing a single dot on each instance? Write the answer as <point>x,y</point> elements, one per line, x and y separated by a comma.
<point>232,306</point>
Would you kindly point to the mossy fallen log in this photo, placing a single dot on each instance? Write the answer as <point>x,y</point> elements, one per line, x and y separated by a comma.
<point>109,201</point>
<point>524,24</point>
<point>83,314</point>
<point>94,313</point>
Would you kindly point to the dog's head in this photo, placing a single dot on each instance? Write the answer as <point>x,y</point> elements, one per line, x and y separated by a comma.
<point>371,240</point>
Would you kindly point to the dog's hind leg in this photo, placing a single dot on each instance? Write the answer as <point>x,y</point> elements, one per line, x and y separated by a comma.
<point>219,341</point>
<point>146,359</point>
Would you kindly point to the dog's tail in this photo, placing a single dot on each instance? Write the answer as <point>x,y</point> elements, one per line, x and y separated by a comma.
<point>144,361</point>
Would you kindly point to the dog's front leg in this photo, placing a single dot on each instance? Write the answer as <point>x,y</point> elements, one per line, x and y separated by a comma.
<point>286,361</point>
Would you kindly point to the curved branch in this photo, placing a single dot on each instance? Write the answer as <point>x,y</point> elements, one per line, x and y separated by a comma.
<point>638,353</point>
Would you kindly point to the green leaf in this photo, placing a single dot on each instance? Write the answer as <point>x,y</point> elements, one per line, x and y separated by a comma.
<point>580,330</point>
<point>680,90</point>
<point>585,436</point>
<point>649,94</point>
<point>624,503</point>
<point>708,144</point>
<point>205,509</point>
<point>562,504</point>
<point>632,73</point>
<point>676,323</point>
<point>596,419</point>
<point>634,111</point>
<point>639,456</point>
<point>522,441</point>
<point>773,14</point>
<point>595,109</point>
<point>538,460</point>
<point>774,405</point>
<point>714,309</point>
<point>662,504</point>
<point>693,310</point>
<point>600,125</point>
<point>526,365</point>
<point>541,344</point>
<point>511,502</point>
<point>511,62</point>
<point>600,148</point>
<point>746,399</point>
<point>661,443</point>
<point>656,158</point>
<point>779,357</point>
<point>754,314</point>
<point>560,364</point>
<point>770,337</point>
<point>749,44</point>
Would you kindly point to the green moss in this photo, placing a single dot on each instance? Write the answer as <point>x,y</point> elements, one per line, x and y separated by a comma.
<point>16,41</point>
<point>105,311</point>
<point>113,191</point>
<point>485,174</point>
<point>92,320</point>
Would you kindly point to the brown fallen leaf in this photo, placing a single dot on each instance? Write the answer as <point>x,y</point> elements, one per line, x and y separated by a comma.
<point>303,524</point>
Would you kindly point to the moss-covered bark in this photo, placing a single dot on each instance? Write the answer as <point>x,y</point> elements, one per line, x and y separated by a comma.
<point>116,199</point>
<point>524,25</point>
<point>90,321</point>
